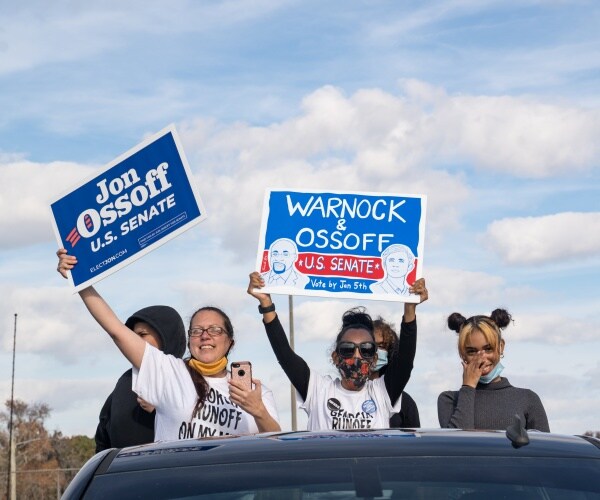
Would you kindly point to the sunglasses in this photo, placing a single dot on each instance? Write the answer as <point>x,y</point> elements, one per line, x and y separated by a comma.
<point>346,349</point>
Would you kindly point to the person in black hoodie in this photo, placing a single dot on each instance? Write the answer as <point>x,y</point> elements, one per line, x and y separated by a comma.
<point>126,420</point>
<point>387,340</point>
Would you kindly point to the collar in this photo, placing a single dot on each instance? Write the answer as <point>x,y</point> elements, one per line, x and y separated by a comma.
<point>503,383</point>
<point>208,369</point>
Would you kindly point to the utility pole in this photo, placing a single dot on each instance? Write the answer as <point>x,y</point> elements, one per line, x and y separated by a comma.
<point>13,468</point>
<point>293,389</point>
<point>11,483</point>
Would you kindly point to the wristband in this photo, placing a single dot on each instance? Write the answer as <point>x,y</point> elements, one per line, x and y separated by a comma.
<point>265,310</point>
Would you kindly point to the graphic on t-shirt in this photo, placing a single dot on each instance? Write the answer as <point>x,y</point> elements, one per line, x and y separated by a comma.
<point>218,416</point>
<point>369,406</point>
<point>333,404</point>
<point>343,419</point>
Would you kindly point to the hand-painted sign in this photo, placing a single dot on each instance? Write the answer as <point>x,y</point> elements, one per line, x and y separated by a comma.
<point>342,244</point>
<point>139,201</point>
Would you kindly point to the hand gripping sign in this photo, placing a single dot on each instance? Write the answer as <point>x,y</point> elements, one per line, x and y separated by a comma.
<point>136,203</point>
<point>342,244</point>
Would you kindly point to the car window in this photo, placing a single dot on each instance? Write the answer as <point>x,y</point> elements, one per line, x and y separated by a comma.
<point>455,478</point>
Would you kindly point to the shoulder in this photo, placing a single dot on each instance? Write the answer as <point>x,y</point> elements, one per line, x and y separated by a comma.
<point>531,395</point>
<point>323,379</point>
<point>505,384</point>
<point>447,396</point>
<point>151,352</point>
<point>521,392</point>
<point>125,378</point>
<point>407,398</point>
<point>320,385</point>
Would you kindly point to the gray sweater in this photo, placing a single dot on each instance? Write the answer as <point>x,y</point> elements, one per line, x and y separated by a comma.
<point>491,406</point>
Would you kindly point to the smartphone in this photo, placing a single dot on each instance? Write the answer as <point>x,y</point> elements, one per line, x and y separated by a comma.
<point>242,371</point>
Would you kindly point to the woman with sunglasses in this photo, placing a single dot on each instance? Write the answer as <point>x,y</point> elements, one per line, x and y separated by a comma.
<point>194,397</point>
<point>352,401</point>
<point>486,400</point>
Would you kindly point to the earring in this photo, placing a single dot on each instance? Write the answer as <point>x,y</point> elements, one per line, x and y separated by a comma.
<point>501,354</point>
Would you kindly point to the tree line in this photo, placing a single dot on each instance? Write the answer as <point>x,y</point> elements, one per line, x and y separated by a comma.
<point>45,461</point>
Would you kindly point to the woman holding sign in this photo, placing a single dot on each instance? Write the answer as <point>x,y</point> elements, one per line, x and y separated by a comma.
<point>486,400</point>
<point>193,397</point>
<point>351,401</point>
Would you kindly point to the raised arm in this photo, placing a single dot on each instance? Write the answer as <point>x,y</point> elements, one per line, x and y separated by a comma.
<point>293,365</point>
<point>126,340</point>
<point>401,361</point>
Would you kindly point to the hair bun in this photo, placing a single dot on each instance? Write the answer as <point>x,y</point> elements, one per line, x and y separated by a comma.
<point>456,321</point>
<point>501,317</point>
<point>357,316</point>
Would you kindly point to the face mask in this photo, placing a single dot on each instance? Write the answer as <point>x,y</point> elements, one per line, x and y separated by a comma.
<point>382,359</point>
<point>486,379</point>
<point>356,370</point>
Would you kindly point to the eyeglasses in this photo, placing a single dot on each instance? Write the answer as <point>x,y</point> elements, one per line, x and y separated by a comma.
<point>346,349</point>
<point>212,330</point>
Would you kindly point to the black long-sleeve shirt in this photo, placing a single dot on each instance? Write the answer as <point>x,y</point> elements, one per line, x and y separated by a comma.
<point>123,422</point>
<point>408,416</point>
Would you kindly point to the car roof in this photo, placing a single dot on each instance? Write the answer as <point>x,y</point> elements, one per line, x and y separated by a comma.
<point>303,445</point>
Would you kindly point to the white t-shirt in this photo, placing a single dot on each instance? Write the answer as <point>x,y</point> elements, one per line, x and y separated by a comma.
<point>164,381</point>
<point>330,406</point>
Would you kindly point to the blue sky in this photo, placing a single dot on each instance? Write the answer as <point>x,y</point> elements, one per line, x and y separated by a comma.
<point>489,108</point>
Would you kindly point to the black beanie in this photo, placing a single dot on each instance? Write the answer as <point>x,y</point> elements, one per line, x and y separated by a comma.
<point>168,324</point>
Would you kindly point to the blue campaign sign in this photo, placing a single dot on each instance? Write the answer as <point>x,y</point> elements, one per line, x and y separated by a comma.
<point>342,244</point>
<point>136,203</point>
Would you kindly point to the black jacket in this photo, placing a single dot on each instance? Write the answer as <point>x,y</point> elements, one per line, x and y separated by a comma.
<point>408,417</point>
<point>123,422</point>
<point>409,414</point>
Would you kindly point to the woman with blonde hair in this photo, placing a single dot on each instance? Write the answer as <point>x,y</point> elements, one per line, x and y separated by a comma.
<point>486,400</point>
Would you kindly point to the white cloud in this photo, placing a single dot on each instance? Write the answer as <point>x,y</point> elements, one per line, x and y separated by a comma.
<point>452,288</point>
<point>520,136</point>
<point>27,189</point>
<point>52,322</point>
<point>74,403</point>
<point>371,140</point>
<point>196,294</point>
<point>550,238</point>
<point>560,395</point>
<point>377,141</point>
<point>552,328</point>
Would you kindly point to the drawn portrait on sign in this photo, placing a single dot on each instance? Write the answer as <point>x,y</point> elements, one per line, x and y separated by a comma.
<point>283,253</point>
<point>397,261</point>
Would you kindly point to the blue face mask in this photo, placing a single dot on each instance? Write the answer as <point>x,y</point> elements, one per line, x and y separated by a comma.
<point>486,379</point>
<point>382,359</point>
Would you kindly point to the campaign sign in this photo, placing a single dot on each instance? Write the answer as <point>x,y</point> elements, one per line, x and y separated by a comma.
<point>342,244</point>
<point>134,204</point>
